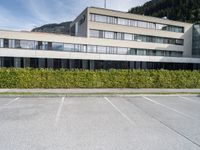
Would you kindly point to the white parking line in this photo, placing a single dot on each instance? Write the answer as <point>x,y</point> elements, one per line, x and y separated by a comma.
<point>172,109</point>
<point>188,99</point>
<point>123,114</point>
<point>59,110</point>
<point>12,101</point>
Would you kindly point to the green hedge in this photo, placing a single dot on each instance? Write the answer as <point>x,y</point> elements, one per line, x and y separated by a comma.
<point>48,78</point>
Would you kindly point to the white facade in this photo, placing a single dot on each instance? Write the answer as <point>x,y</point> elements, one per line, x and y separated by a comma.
<point>105,35</point>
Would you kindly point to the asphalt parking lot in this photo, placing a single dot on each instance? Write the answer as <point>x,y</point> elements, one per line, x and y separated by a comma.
<point>100,123</point>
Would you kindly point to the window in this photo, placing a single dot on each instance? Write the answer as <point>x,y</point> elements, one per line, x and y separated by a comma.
<point>83,48</point>
<point>179,42</point>
<point>167,53</point>
<point>159,53</point>
<point>141,52</point>
<point>69,47</point>
<point>138,38</point>
<point>128,37</point>
<point>91,49</point>
<point>1,42</point>
<point>132,51</point>
<point>77,48</point>
<point>161,27</point>
<point>94,33</point>
<point>112,20</point>
<point>151,25</point>
<point>100,18</point>
<point>5,43</point>
<point>123,21</point>
<point>41,45</point>
<point>111,50</point>
<point>134,23</point>
<point>151,52</point>
<point>122,50</point>
<point>57,46</point>
<point>118,36</point>
<point>27,44</point>
<point>109,35</point>
<point>92,17</point>
<point>142,24</point>
<point>49,47</point>
<point>101,49</point>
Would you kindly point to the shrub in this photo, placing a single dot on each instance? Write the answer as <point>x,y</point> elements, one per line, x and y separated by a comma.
<point>49,78</point>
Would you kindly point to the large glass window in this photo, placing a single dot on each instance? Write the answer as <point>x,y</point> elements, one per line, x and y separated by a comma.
<point>122,50</point>
<point>77,48</point>
<point>128,37</point>
<point>109,35</point>
<point>100,18</point>
<point>132,51</point>
<point>101,49</point>
<point>179,42</point>
<point>123,21</point>
<point>42,45</point>
<point>91,49</point>
<point>141,52</point>
<point>134,23</point>
<point>6,43</point>
<point>69,47</point>
<point>112,50</point>
<point>142,24</point>
<point>1,42</point>
<point>159,53</point>
<point>161,27</point>
<point>151,25</point>
<point>57,46</point>
<point>94,33</point>
<point>27,44</point>
<point>83,48</point>
<point>112,20</point>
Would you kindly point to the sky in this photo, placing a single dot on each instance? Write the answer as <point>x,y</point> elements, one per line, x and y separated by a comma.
<point>28,14</point>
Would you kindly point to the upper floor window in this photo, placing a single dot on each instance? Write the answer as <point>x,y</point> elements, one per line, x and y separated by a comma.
<point>109,35</point>
<point>123,21</point>
<point>57,46</point>
<point>1,42</point>
<point>135,23</point>
<point>100,18</point>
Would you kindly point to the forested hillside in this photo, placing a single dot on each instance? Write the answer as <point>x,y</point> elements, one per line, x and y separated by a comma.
<point>182,10</point>
<point>62,28</point>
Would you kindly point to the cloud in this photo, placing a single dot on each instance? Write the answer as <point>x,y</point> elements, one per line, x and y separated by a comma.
<point>9,21</point>
<point>39,12</point>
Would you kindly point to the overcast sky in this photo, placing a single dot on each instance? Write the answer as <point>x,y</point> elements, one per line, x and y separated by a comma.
<point>27,14</point>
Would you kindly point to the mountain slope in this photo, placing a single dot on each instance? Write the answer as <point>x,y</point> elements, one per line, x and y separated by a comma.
<point>62,28</point>
<point>181,10</point>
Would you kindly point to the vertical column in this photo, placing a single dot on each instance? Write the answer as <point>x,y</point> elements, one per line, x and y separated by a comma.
<point>17,62</point>
<point>92,65</point>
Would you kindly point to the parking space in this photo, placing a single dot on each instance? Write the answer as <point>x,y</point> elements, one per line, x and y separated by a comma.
<point>98,123</point>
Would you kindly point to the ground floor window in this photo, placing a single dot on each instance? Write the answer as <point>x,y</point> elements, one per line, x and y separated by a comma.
<point>91,64</point>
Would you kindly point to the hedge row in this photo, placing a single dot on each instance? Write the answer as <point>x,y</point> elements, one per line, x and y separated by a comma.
<point>48,78</point>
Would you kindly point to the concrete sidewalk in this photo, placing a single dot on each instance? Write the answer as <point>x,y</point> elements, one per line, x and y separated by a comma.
<point>100,91</point>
